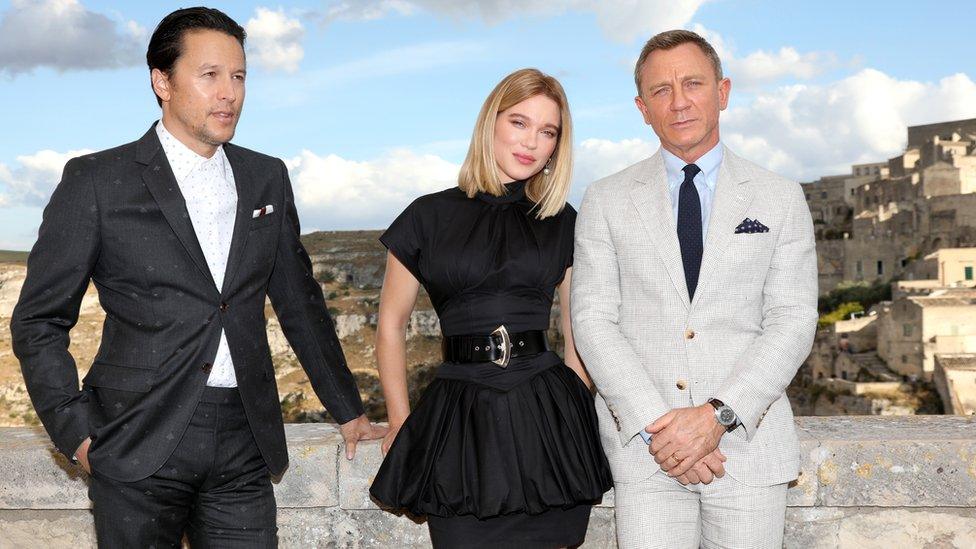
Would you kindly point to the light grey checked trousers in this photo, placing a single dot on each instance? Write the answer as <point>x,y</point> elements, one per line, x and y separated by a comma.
<point>661,513</point>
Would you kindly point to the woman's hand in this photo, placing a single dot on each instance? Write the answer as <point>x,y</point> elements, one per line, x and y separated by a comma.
<point>390,437</point>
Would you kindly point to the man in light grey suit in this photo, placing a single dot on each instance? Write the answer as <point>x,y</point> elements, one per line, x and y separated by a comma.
<point>694,303</point>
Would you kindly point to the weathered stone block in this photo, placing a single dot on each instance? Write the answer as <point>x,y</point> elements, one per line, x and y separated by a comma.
<point>602,531</point>
<point>830,527</point>
<point>607,500</point>
<point>916,461</point>
<point>50,528</point>
<point>813,527</point>
<point>333,527</point>
<point>33,475</point>
<point>803,490</point>
<point>312,478</point>
<point>355,477</point>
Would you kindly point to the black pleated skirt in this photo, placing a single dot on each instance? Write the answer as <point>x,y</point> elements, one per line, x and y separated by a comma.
<point>549,530</point>
<point>510,453</point>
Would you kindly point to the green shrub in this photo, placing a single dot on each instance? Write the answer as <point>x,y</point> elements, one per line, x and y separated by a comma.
<point>855,292</point>
<point>840,313</point>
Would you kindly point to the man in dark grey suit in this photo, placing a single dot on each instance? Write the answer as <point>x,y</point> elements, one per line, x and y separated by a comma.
<point>183,234</point>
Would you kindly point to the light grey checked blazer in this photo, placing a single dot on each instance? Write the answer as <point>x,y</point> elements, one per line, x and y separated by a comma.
<point>741,340</point>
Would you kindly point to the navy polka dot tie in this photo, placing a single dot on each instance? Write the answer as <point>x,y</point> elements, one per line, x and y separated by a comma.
<point>690,228</point>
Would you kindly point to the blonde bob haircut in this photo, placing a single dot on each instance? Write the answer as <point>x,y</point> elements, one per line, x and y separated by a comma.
<point>479,173</point>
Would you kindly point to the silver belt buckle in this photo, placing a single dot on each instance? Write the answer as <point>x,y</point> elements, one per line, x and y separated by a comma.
<point>505,346</point>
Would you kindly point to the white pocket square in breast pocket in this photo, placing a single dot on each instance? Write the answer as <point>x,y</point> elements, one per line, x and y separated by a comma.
<point>261,212</point>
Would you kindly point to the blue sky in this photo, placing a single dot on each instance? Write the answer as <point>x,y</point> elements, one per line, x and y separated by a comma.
<point>371,103</point>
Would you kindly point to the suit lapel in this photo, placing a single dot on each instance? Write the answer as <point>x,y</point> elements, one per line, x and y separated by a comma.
<point>733,194</point>
<point>246,190</point>
<point>161,183</point>
<point>652,198</point>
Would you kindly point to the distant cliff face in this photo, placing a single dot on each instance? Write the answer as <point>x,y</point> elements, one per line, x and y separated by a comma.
<point>355,258</point>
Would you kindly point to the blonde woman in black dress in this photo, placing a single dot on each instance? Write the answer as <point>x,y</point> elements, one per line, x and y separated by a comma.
<point>503,448</point>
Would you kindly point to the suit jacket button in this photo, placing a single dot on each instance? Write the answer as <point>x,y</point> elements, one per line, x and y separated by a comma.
<point>681,384</point>
<point>223,306</point>
<point>689,334</point>
<point>207,367</point>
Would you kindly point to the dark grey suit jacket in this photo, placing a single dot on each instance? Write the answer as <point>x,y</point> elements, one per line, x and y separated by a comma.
<point>118,218</point>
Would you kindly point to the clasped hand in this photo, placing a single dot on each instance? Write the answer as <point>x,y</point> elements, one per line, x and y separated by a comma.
<point>684,443</point>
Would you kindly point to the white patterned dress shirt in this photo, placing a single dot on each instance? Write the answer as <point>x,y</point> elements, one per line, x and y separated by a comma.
<point>207,185</point>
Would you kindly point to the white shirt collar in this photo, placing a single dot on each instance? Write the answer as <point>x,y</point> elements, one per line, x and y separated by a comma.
<point>184,160</point>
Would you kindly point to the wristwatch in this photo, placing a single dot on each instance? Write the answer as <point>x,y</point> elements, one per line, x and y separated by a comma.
<point>724,415</point>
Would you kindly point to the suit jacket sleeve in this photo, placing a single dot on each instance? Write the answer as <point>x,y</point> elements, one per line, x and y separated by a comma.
<point>58,272</point>
<point>789,322</point>
<point>298,301</point>
<point>611,361</point>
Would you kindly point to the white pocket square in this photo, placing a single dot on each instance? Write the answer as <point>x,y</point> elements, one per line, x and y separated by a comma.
<point>260,212</point>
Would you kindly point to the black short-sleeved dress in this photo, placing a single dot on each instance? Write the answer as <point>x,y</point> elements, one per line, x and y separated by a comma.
<point>494,456</point>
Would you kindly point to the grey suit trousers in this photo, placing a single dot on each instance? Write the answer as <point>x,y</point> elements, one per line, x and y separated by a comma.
<point>661,513</point>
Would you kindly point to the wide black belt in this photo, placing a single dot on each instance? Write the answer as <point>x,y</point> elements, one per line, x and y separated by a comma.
<point>498,347</point>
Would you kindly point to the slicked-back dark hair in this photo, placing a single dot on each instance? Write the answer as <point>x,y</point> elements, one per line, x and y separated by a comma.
<point>166,44</point>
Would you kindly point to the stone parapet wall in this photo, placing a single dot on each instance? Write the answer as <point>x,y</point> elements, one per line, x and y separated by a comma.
<point>861,387</point>
<point>864,482</point>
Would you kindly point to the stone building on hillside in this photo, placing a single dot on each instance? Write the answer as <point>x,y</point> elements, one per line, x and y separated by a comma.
<point>932,316</point>
<point>918,135</point>
<point>828,206</point>
<point>927,332</point>
<point>917,328</point>
<point>954,267</point>
<point>878,222</point>
<point>955,379</point>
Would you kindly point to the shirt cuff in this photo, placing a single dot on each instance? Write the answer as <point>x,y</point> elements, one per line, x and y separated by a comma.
<point>646,436</point>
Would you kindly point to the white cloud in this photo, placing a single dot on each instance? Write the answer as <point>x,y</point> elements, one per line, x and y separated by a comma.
<point>621,20</point>
<point>336,193</point>
<point>64,35</point>
<point>628,20</point>
<point>598,158</point>
<point>31,182</point>
<point>761,67</point>
<point>275,40</point>
<point>805,131</point>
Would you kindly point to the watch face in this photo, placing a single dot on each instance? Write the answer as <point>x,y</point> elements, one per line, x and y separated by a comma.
<point>727,417</point>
